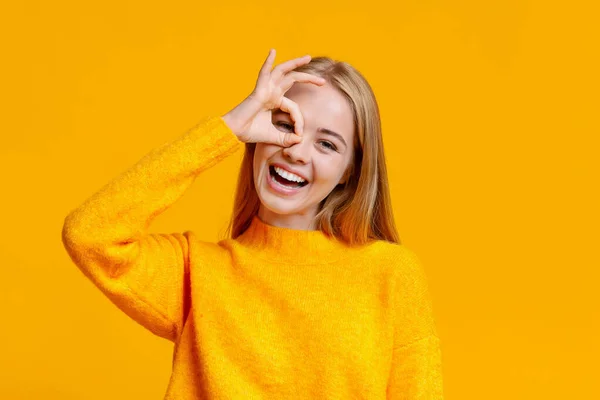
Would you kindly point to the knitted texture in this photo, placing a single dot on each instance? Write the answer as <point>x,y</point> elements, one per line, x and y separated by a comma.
<point>276,313</point>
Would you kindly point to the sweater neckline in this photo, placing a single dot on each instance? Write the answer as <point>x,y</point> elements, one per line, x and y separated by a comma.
<point>291,246</point>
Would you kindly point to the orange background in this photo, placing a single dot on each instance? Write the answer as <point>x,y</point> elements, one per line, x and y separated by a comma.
<point>490,115</point>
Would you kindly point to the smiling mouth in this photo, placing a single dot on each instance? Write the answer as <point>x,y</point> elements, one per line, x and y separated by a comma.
<point>285,182</point>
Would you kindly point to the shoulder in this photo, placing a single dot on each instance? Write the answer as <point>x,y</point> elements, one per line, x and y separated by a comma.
<point>199,248</point>
<point>400,257</point>
<point>405,266</point>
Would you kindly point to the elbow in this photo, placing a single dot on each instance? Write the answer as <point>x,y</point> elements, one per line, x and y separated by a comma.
<point>72,233</point>
<point>68,229</point>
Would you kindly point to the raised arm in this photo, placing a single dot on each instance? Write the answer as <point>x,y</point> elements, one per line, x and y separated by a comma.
<point>106,236</point>
<point>145,274</point>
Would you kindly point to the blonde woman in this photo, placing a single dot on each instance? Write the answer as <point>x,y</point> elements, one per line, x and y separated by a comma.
<point>311,296</point>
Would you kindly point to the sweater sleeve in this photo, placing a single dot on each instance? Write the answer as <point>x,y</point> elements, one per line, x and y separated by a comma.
<point>145,274</point>
<point>416,371</point>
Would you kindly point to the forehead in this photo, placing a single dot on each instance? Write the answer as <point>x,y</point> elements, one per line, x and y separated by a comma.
<point>323,107</point>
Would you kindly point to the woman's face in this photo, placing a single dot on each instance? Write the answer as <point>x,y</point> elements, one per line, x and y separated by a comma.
<point>321,158</point>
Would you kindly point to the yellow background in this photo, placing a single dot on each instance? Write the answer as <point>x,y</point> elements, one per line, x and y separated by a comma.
<point>490,111</point>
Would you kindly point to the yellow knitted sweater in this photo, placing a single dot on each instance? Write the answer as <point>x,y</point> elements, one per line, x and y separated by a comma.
<point>276,313</point>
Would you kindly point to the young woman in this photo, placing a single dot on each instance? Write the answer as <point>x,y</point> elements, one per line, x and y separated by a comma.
<point>311,296</point>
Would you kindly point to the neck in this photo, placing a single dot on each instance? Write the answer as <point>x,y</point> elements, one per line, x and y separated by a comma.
<point>301,221</point>
<point>280,244</point>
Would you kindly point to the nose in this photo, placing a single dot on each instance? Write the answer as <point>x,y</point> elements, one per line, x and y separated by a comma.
<point>298,152</point>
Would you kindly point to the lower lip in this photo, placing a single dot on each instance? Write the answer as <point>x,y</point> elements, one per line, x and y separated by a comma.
<point>280,189</point>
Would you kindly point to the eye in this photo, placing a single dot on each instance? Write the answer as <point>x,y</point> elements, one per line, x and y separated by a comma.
<point>331,145</point>
<point>286,126</point>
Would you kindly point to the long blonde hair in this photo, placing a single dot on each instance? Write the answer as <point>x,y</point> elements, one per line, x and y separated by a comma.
<point>359,210</point>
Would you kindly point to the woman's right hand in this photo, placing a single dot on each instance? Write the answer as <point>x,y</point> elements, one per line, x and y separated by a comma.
<point>251,120</point>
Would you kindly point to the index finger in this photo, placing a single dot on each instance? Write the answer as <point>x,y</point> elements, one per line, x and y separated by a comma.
<point>293,109</point>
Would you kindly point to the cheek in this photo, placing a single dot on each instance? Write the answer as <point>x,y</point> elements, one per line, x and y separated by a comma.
<point>327,171</point>
<point>259,156</point>
<point>263,153</point>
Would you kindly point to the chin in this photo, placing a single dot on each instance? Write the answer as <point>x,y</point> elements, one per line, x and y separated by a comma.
<point>282,205</point>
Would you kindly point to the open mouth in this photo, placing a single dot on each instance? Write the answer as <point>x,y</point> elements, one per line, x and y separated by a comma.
<point>283,181</point>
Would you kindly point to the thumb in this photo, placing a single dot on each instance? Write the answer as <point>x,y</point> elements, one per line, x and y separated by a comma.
<point>289,139</point>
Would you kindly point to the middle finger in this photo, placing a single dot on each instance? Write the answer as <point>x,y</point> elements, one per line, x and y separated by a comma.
<point>296,76</point>
<point>289,65</point>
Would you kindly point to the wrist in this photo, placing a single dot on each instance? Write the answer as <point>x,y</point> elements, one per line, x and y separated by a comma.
<point>232,122</point>
<point>239,118</point>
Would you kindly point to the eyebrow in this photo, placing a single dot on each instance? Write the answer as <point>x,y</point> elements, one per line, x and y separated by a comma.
<point>322,130</point>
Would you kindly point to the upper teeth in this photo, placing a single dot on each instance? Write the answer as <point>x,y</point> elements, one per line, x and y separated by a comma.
<point>288,175</point>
